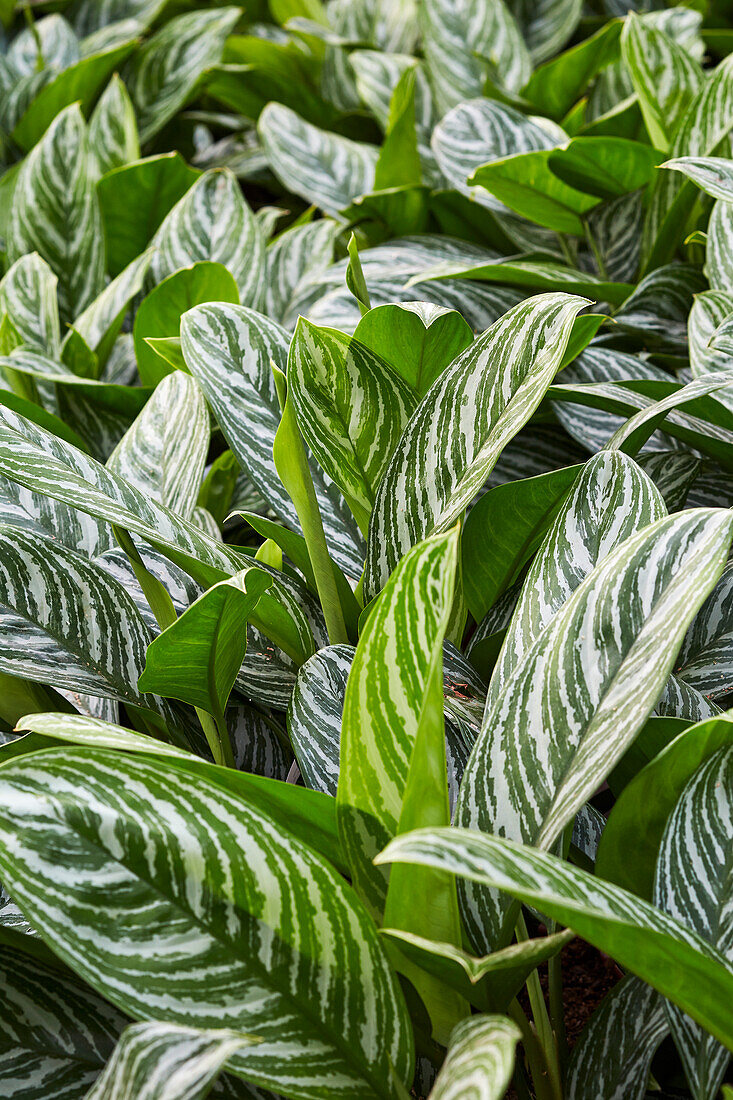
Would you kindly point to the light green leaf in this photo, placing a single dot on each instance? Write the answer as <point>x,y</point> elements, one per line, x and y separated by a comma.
<point>166,70</point>
<point>213,222</point>
<point>480,1059</point>
<point>615,1049</point>
<point>55,213</point>
<point>604,166</point>
<point>399,159</point>
<point>80,729</point>
<point>542,754</point>
<point>640,937</point>
<point>228,350</point>
<point>642,809</point>
<point>527,185</point>
<point>693,885</point>
<point>157,1061</point>
<point>164,452</point>
<point>558,84</point>
<point>713,175</point>
<point>351,410</point>
<point>416,339</point>
<point>28,297</point>
<point>135,198</point>
<point>325,169</point>
<point>113,140</point>
<point>294,260</point>
<point>222,882</point>
<point>462,425</point>
<point>159,314</point>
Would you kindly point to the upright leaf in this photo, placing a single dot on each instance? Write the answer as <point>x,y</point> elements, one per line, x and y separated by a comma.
<point>28,298</point>
<point>113,139</point>
<point>665,77</point>
<point>480,1059</point>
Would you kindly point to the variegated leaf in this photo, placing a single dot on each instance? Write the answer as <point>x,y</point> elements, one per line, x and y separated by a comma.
<point>693,884</point>
<point>708,312</point>
<point>213,222</point>
<point>612,1057</point>
<point>719,250</point>
<point>19,507</point>
<point>90,16</point>
<point>481,130</point>
<point>166,70</point>
<point>56,1033</point>
<point>546,26</point>
<point>259,746</point>
<point>377,75</point>
<point>639,936</point>
<point>164,452</point>
<point>228,350</point>
<point>113,139</point>
<point>55,212</point>
<point>705,661</point>
<point>51,42</point>
<point>159,1061</point>
<point>28,297</point>
<point>314,716</point>
<point>221,882</point>
<point>611,500</point>
<point>294,260</point>
<point>713,175</point>
<point>100,322</point>
<point>543,753</point>
<point>351,408</point>
<point>461,42</point>
<point>66,622</point>
<point>325,169</point>
<point>461,426</point>
<point>480,1060</point>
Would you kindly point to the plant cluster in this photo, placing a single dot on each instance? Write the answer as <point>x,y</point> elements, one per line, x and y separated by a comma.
<point>366,511</point>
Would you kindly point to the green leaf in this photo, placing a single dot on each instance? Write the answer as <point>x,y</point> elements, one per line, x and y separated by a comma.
<point>314,716</point>
<point>713,175</point>
<point>135,198</point>
<point>213,872</point>
<point>462,42</point>
<point>527,184</point>
<point>697,892</point>
<point>213,222</point>
<point>399,159</point>
<point>547,27</point>
<point>159,314</point>
<point>351,410</point>
<point>28,297</point>
<point>640,937</point>
<point>164,453</point>
<point>325,169</point>
<point>416,339</point>
<point>480,1059</point>
<point>558,84</point>
<point>616,1047</point>
<point>55,213</point>
<point>165,71</point>
<point>113,139</point>
<point>462,425</point>
<point>504,530</point>
<point>156,1060</point>
<point>705,327</point>
<point>100,323</point>
<point>228,350</point>
<point>604,166</point>
<point>294,261</point>
<point>665,77</point>
<point>541,755</point>
<point>641,812</point>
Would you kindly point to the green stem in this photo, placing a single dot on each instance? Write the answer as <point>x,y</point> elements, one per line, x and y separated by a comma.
<point>541,1018</point>
<point>217,737</point>
<point>557,1009</point>
<point>535,1055</point>
<point>593,245</point>
<point>566,250</point>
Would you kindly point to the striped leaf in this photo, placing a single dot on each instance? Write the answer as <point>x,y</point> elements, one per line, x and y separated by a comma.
<point>314,716</point>
<point>462,42</point>
<point>47,465</point>
<point>383,732</point>
<point>113,139</point>
<point>713,175</point>
<point>259,747</point>
<point>228,350</point>
<point>665,77</point>
<point>90,16</point>
<point>100,323</point>
<point>693,884</point>
<point>28,297</point>
<point>325,169</point>
<point>221,883</point>
<point>639,936</point>
<point>19,507</point>
<point>158,1061</point>
<point>55,213</point>
<point>616,228</point>
<point>546,26</point>
<point>351,407</point>
<point>80,729</point>
<point>166,69</point>
<point>705,659</point>
<point>609,501</point>
<point>481,130</point>
<point>377,75</point>
<point>542,754</point>
<point>213,222</point>
<point>66,622</point>
<point>611,1059</point>
<point>294,260</point>
<point>719,250</point>
<point>709,311</point>
<point>56,1033</point>
<point>462,425</point>
<point>480,1060</point>
<point>164,452</point>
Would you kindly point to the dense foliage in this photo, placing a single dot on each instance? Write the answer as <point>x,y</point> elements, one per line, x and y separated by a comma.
<point>366,510</point>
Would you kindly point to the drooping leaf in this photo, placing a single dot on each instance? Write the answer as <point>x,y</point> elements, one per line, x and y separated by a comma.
<point>713,175</point>
<point>459,430</point>
<point>245,866</point>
